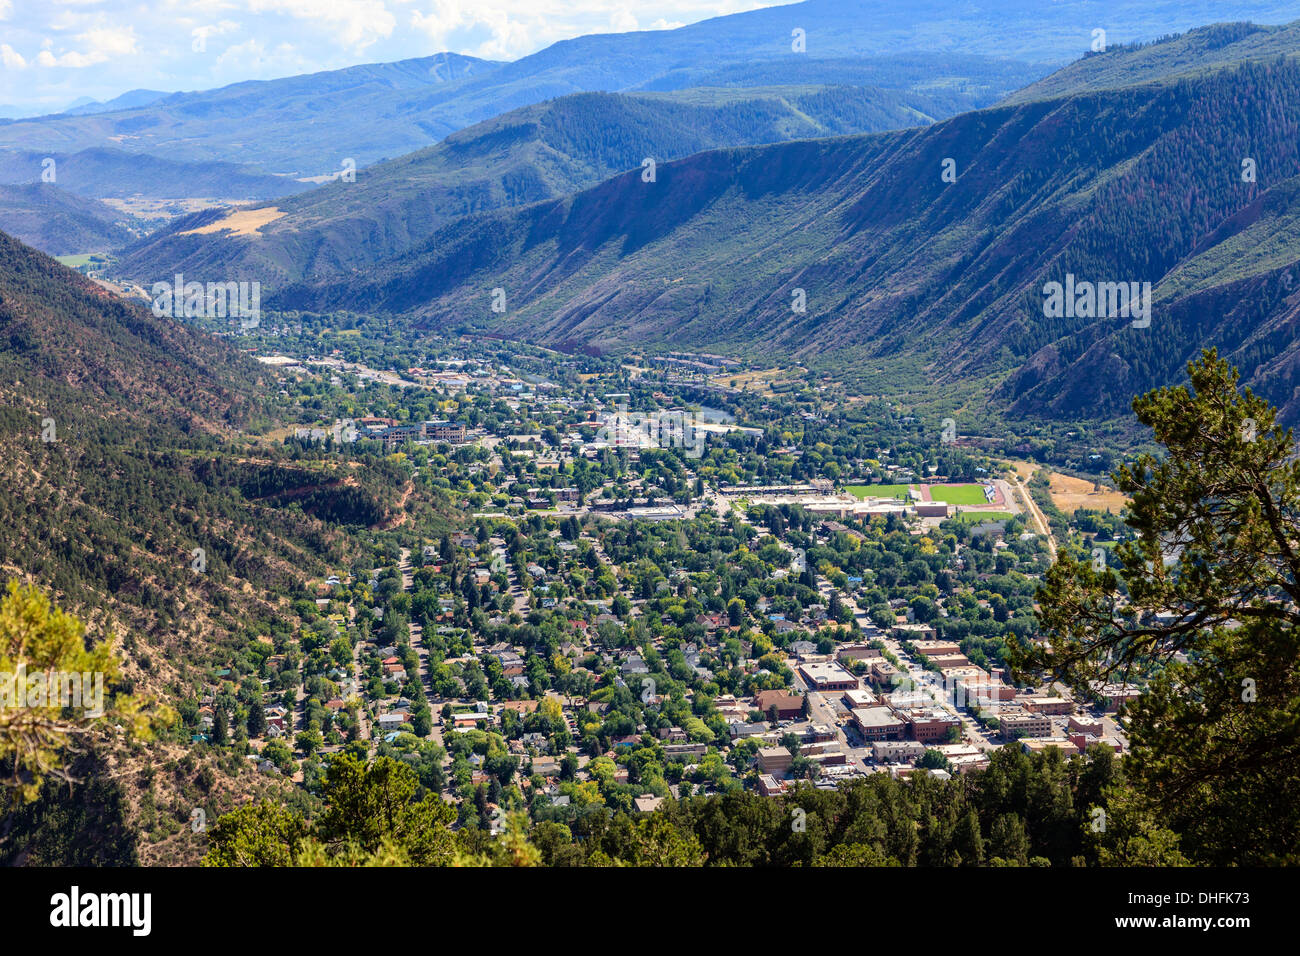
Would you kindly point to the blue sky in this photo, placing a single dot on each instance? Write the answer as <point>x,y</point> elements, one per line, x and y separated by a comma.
<point>53,52</point>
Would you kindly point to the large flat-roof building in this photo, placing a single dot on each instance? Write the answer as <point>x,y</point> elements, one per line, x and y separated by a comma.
<point>947,661</point>
<point>878,723</point>
<point>859,698</point>
<point>913,632</point>
<point>859,652</point>
<point>984,690</point>
<point>935,648</point>
<point>827,675</point>
<point>774,760</point>
<point>1118,694</point>
<point>897,751</point>
<point>883,672</point>
<point>1058,706</point>
<point>930,724</point>
<point>1023,723</point>
<point>1040,744</point>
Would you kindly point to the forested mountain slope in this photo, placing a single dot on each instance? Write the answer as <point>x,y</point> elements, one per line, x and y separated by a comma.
<point>538,152</point>
<point>1199,50</point>
<point>59,222</point>
<point>107,173</point>
<point>129,493</point>
<point>906,273</point>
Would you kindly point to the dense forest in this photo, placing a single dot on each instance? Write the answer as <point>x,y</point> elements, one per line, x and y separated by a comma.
<point>1021,811</point>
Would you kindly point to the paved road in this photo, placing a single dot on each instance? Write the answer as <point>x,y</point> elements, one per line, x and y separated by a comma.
<point>927,682</point>
<point>363,712</point>
<point>1037,515</point>
<point>417,630</point>
<point>516,590</point>
<point>821,711</point>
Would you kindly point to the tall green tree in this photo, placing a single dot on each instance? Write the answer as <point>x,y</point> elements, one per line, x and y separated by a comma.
<point>261,834</point>
<point>371,816</point>
<point>56,694</point>
<point>366,804</point>
<point>1203,606</point>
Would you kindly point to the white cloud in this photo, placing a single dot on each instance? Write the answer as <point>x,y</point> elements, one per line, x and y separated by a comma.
<point>623,21</point>
<point>11,58</point>
<point>252,59</point>
<point>100,45</point>
<point>201,34</point>
<point>357,24</point>
<point>109,41</point>
<point>508,29</point>
<point>150,43</point>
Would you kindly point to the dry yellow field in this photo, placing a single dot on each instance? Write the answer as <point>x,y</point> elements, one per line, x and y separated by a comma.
<point>168,208</point>
<point>241,222</point>
<point>759,381</point>
<point>1070,494</point>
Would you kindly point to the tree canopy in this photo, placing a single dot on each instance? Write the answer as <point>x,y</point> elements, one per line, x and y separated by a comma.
<point>1205,603</point>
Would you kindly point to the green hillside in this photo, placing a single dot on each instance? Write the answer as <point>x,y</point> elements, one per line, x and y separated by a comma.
<point>530,154</point>
<point>124,452</point>
<point>105,173</point>
<point>61,223</point>
<point>907,277</point>
<point>1204,48</point>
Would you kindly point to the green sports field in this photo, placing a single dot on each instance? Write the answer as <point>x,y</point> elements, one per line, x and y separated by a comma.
<point>878,491</point>
<point>977,517</point>
<point>959,494</point>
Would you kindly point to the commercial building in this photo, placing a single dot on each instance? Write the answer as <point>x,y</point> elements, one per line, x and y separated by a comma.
<point>1023,723</point>
<point>963,758</point>
<point>914,632</point>
<point>774,760</point>
<point>897,751</point>
<point>859,652</point>
<point>1059,706</point>
<point>935,648</point>
<point>930,724</point>
<point>1090,726</point>
<point>859,698</point>
<point>444,431</point>
<point>1118,694</point>
<point>983,690</point>
<point>827,676</point>
<point>438,431</point>
<point>1040,744</point>
<point>883,672</point>
<point>684,751</point>
<point>878,723</point>
<point>788,706</point>
<point>948,661</point>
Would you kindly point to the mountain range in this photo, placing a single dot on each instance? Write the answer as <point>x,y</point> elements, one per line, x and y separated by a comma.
<point>893,206</point>
<point>61,222</point>
<point>530,154</point>
<point>108,173</point>
<point>304,126</point>
<point>1182,181</point>
<point>918,257</point>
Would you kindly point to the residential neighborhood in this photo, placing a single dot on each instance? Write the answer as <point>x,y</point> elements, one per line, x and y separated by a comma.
<point>628,609</point>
